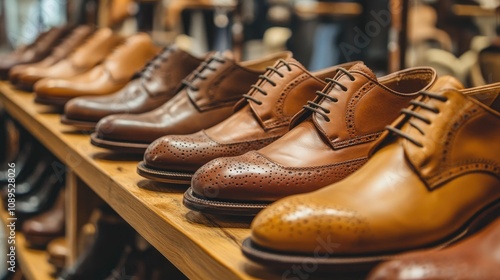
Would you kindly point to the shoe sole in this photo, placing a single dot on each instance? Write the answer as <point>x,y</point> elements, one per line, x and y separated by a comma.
<point>281,261</point>
<point>123,147</point>
<point>169,177</point>
<point>53,101</point>
<point>84,125</point>
<point>28,87</point>
<point>216,207</point>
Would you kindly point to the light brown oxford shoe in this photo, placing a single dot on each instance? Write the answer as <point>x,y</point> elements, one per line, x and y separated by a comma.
<point>109,76</point>
<point>330,139</point>
<point>21,75</point>
<point>433,177</point>
<point>262,117</point>
<point>90,53</point>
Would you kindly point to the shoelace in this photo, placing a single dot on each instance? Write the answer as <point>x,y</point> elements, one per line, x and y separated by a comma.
<point>265,77</point>
<point>147,72</point>
<point>316,107</point>
<point>196,74</point>
<point>411,113</point>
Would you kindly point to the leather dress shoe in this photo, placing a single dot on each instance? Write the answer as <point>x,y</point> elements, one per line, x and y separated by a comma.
<point>433,177</point>
<point>58,253</point>
<point>111,75</point>
<point>263,116</point>
<point>207,98</point>
<point>89,54</point>
<point>33,174</point>
<point>43,196</point>
<point>43,228</point>
<point>110,240</point>
<point>25,160</point>
<point>33,52</point>
<point>330,139</point>
<point>474,258</point>
<point>60,52</point>
<point>155,85</point>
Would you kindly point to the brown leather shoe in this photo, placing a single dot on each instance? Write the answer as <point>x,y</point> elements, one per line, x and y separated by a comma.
<point>68,45</point>
<point>43,228</point>
<point>262,117</point>
<point>157,83</point>
<point>433,177</point>
<point>34,52</point>
<point>113,74</point>
<point>330,139</point>
<point>207,98</point>
<point>88,55</point>
<point>474,258</point>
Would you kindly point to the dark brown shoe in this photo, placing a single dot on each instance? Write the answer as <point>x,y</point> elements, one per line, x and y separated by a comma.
<point>474,258</point>
<point>34,52</point>
<point>67,46</point>
<point>45,227</point>
<point>330,139</point>
<point>262,117</point>
<point>207,98</point>
<point>156,84</point>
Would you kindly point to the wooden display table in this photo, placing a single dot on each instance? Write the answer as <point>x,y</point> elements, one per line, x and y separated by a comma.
<point>202,247</point>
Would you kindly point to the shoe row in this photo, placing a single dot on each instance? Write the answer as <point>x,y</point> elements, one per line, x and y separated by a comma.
<point>343,169</point>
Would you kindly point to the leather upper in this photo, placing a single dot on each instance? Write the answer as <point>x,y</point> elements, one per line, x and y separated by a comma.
<point>324,146</point>
<point>60,52</point>
<point>157,83</point>
<point>418,189</point>
<point>109,76</point>
<point>263,116</point>
<point>207,98</point>
<point>474,258</point>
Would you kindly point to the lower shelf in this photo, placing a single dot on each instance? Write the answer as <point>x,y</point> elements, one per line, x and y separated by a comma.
<point>34,263</point>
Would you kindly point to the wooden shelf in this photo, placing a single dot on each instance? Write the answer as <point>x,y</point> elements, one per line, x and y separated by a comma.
<point>34,262</point>
<point>202,247</point>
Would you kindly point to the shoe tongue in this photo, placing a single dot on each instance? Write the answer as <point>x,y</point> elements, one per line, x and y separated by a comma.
<point>360,67</point>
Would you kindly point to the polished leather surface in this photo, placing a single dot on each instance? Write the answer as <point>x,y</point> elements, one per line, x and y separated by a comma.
<point>41,229</point>
<point>60,52</point>
<point>262,118</point>
<point>414,192</point>
<point>90,53</point>
<point>157,84</point>
<point>113,74</point>
<point>211,92</point>
<point>474,258</point>
<point>319,150</point>
<point>34,52</point>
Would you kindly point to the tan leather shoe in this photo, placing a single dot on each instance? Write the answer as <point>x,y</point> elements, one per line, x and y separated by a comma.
<point>84,58</point>
<point>330,139</point>
<point>474,258</point>
<point>113,74</point>
<point>263,116</point>
<point>433,177</point>
<point>70,43</point>
<point>157,83</point>
<point>35,51</point>
<point>207,98</point>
